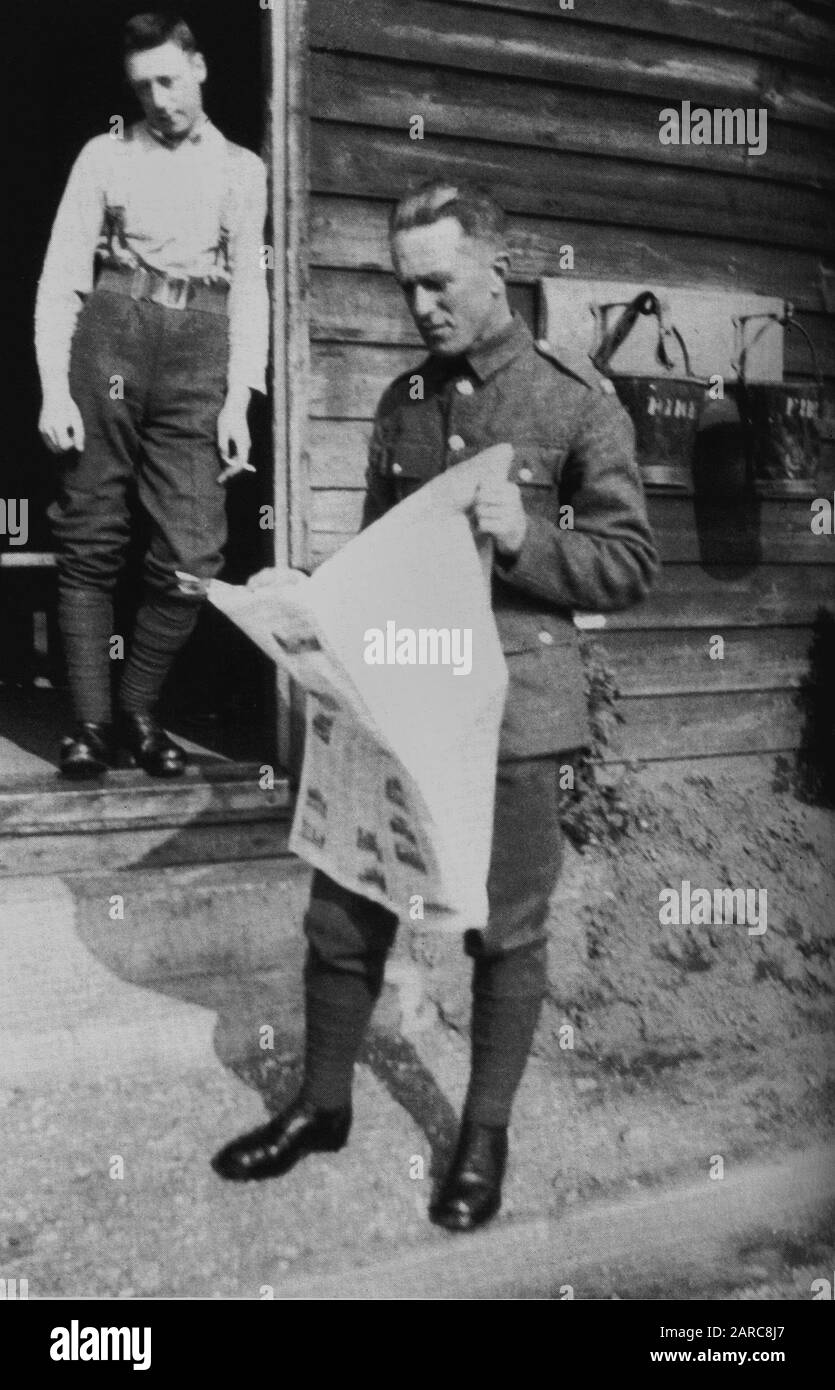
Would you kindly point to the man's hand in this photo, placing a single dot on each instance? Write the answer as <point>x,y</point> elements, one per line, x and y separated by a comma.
<point>233,437</point>
<point>60,425</point>
<point>273,577</point>
<point>499,513</point>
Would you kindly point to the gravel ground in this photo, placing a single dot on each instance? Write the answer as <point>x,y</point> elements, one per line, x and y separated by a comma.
<point>690,1045</point>
<point>71,1225</point>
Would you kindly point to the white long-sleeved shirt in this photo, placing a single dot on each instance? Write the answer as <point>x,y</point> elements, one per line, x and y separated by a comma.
<point>196,208</point>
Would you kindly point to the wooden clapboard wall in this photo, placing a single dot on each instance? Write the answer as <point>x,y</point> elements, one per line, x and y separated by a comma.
<point>558,112</point>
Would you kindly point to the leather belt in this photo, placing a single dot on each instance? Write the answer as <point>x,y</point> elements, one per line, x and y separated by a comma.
<point>171,291</point>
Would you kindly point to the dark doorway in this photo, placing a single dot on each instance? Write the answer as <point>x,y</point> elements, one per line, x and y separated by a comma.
<point>63,82</point>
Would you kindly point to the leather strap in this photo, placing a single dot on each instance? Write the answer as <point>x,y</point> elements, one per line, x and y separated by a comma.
<point>645,303</point>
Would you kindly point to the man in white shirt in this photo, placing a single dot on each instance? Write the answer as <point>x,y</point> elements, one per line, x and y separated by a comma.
<point>151,330</point>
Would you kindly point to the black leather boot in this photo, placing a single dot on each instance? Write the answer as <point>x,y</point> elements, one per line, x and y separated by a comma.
<point>472,1190</point>
<point>144,737</point>
<point>88,751</point>
<point>274,1148</point>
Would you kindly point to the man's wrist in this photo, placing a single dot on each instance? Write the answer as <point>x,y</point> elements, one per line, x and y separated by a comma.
<point>56,390</point>
<point>237,397</point>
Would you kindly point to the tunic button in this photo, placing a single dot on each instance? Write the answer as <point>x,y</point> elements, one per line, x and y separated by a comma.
<point>464,387</point>
<point>546,639</point>
<point>456,442</point>
<point>607,386</point>
<point>543,345</point>
<point>396,468</point>
<point>525,475</point>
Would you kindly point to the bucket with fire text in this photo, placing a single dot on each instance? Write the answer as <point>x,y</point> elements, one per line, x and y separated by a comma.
<point>666,409</point>
<point>782,420</point>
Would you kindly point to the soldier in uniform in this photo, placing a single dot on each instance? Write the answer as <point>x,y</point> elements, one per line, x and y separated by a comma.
<point>570,532</point>
<point>151,329</point>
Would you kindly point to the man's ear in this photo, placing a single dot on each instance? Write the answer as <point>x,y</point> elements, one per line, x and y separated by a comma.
<point>198,62</point>
<point>501,269</point>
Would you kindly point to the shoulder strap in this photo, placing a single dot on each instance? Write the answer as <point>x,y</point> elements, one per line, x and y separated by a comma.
<point>574,362</point>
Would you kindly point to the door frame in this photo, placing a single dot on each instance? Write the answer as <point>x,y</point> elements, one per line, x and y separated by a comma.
<point>287,153</point>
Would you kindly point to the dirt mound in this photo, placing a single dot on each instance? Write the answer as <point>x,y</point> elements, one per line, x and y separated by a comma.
<point>636,987</point>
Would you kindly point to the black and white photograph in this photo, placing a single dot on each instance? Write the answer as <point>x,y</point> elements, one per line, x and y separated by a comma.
<point>417,666</point>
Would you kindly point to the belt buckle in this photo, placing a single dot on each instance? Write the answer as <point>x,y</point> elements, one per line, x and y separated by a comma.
<point>172,292</point>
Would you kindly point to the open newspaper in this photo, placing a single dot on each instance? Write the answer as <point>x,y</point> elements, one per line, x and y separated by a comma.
<point>394,642</point>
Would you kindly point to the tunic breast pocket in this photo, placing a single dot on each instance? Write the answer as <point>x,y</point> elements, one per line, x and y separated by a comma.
<point>535,470</point>
<point>408,467</point>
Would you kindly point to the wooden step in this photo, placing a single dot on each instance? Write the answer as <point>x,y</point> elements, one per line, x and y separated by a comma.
<point>216,812</point>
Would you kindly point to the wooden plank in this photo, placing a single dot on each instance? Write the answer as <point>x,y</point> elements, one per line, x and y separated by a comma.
<point>685,531</point>
<point>359,306</point>
<point>686,599</point>
<point>756,658</point>
<point>338,451</point>
<point>130,800</point>
<point>572,53</point>
<point>295,270</point>
<point>693,530</point>
<point>288,135</point>
<point>347,379</point>
<point>781,30</point>
<point>362,91</point>
<point>335,509</point>
<point>698,726</point>
<point>351,232</point>
<point>365,306</point>
<point>669,663</point>
<point>686,594</point>
<point>277,136</point>
<point>361,159</point>
<point>689,596</point>
<point>146,848</point>
<point>362,306</point>
<point>325,543</point>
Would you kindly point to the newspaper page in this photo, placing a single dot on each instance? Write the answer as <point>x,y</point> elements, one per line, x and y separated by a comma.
<point>394,642</point>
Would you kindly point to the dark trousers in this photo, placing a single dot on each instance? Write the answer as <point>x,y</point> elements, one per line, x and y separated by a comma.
<point>354,935</point>
<point>349,938</point>
<point>149,382</point>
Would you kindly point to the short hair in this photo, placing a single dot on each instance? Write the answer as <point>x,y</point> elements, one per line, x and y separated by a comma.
<point>473,207</point>
<point>151,30</point>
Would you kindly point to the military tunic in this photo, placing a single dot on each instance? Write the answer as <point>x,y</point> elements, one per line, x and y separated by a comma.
<point>588,546</point>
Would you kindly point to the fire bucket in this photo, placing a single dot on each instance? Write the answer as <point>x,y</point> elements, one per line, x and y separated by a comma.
<point>782,422</point>
<point>666,410</point>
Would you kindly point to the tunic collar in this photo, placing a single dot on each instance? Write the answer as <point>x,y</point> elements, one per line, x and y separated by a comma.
<point>489,357</point>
